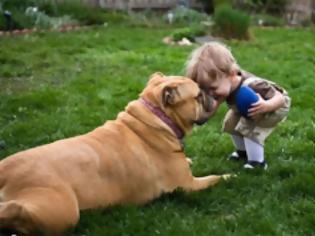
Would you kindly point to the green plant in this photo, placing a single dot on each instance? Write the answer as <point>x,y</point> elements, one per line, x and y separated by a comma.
<point>2,23</point>
<point>78,10</point>
<point>230,23</point>
<point>267,20</point>
<point>274,7</point>
<point>188,32</point>
<point>307,22</point>
<point>147,18</point>
<point>183,15</point>
<point>16,8</point>
<point>222,2</point>
<point>115,17</point>
<point>55,13</point>
<point>18,4</point>
<point>42,20</point>
<point>20,20</point>
<point>208,5</point>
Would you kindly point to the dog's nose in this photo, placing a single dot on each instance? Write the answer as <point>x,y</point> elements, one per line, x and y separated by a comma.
<point>207,101</point>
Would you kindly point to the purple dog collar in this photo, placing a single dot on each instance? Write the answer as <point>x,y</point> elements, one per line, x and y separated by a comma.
<point>167,120</point>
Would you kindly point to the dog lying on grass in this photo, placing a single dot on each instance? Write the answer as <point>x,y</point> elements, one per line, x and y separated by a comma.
<point>132,159</point>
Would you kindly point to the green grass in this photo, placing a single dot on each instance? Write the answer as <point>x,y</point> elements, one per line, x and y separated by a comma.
<point>54,86</point>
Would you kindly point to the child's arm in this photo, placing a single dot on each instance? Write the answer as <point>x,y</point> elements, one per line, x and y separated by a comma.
<point>264,106</point>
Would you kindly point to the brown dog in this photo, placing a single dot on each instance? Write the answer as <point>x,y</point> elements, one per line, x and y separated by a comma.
<point>132,159</point>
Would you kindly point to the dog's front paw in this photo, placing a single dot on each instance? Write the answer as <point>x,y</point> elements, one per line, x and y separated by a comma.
<point>228,176</point>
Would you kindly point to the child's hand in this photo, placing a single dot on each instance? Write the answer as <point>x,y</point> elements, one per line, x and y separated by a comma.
<point>259,108</point>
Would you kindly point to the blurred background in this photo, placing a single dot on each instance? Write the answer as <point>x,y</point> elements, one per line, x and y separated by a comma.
<point>228,18</point>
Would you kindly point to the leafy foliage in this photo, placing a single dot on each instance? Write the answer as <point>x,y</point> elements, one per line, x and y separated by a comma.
<point>273,7</point>
<point>188,32</point>
<point>78,10</point>
<point>183,15</point>
<point>267,20</point>
<point>230,23</point>
<point>54,13</point>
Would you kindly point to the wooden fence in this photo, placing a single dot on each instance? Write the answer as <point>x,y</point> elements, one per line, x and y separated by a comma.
<point>299,11</point>
<point>142,4</point>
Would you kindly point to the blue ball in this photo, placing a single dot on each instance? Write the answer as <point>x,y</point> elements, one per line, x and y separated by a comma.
<point>245,97</point>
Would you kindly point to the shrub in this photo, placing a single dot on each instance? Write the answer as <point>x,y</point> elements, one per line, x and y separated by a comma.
<point>20,20</point>
<point>2,23</point>
<point>275,7</point>
<point>230,23</point>
<point>147,18</point>
<point>82,12</point>
<point>17,9</point>
<point>115,17</point>
<point>183,15</point>
<point>78,10</point>
<point>189,33</point>
<point>267,20</point>
<point>17,4</point>
<point>307,22</point>
<point>42,20</point>
<point>222,2</point>
<point>208,6</point>
<point>55,13</point>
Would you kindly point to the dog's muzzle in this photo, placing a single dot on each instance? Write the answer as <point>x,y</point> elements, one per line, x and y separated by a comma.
<point>207,103</point>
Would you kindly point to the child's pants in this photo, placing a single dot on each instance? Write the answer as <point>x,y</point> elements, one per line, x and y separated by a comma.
<point>257,131</point>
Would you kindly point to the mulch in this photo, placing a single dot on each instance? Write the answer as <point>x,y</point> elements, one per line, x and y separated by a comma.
<point>65,28</point>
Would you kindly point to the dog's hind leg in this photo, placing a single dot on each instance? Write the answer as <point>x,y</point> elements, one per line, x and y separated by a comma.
<point>199,183</point>
<point>40,210</point>
<point>10,214</point>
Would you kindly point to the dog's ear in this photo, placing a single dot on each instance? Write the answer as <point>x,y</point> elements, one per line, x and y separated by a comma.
<point>169,95</point>
<point>156,78</point>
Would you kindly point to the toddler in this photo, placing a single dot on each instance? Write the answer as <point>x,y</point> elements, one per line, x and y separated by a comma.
<point>215,69</point>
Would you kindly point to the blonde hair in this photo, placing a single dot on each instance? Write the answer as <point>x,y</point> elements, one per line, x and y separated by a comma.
<point>210,62</point>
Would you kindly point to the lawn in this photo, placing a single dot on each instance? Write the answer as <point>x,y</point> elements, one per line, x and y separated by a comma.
<point>54,86</point>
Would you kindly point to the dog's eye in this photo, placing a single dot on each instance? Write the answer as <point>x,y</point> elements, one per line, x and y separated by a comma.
<point>199,96</point>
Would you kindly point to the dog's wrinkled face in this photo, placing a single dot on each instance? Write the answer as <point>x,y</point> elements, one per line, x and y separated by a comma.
<point>180,98</point>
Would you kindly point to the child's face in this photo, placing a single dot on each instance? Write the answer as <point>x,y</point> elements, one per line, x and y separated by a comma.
<point>221,88</point>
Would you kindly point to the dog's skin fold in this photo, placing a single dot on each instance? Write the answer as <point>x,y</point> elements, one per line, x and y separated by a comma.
<point>132,159</point>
